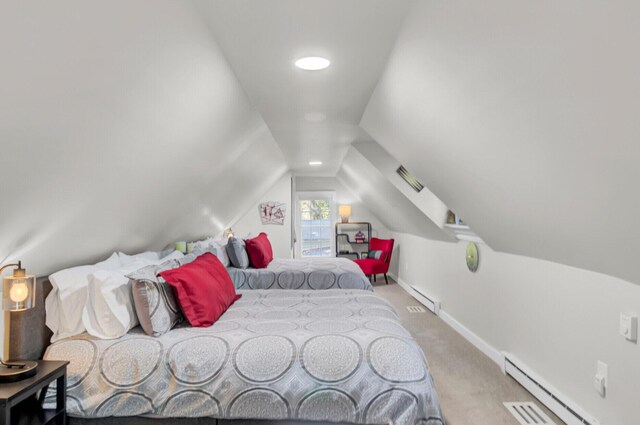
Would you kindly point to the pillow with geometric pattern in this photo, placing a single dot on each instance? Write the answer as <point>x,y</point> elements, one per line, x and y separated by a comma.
<point>377,255</point>
<point>156,305</point>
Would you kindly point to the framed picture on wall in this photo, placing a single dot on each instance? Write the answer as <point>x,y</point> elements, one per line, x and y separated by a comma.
<point>273,212</point>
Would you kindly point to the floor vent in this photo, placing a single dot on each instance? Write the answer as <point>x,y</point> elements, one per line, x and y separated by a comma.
<point>415,309</point>
<point>564,408</point>
<point>426,300</point>
<point>528,413</point>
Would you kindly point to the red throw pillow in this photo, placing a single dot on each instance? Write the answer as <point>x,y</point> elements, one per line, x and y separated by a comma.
<point>204,289</point>
<point>259,251</point>
<point>267,245</point>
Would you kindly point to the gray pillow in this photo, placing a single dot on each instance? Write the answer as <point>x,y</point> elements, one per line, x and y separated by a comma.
<point>156,305</point>
<point>237,253</point>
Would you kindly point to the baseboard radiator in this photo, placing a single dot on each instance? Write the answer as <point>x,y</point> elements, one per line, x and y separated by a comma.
<point>563,407</point>
<point>426,300</point>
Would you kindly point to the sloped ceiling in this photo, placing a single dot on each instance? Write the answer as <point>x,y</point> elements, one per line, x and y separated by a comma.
<point>522,117</point>
<point>122,127</point>
<point>387,165</point>
<point>383,199</point>
<point>313,115</point>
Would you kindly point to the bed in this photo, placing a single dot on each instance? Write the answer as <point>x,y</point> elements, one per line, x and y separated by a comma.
<point>302,273</point>
<point>293,356</point>
<point>338,355</point>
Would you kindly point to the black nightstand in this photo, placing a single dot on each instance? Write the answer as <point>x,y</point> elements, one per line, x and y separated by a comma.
<point>20,403</point>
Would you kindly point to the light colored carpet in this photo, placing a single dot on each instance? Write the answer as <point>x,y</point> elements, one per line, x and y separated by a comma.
<point>471,387</point>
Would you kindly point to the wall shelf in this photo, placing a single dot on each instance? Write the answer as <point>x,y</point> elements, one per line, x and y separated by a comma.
<point>457,226</point>
<point>345,235</point>
<point>462,232</point>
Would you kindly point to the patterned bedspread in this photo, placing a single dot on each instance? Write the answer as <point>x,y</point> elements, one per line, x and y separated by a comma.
<point>334,355</point>
<point>303,273</point>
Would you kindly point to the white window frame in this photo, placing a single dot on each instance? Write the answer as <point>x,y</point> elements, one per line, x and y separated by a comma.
<point>315,195</point>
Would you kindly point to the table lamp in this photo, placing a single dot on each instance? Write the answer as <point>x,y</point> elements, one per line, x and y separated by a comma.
<point>344,211</point>
<point>18,294</point>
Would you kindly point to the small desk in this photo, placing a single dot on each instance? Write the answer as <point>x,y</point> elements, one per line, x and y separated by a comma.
<point>18,402</point>
<point>348,254</point>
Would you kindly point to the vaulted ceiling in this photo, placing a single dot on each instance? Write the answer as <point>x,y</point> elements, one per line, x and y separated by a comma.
<point>313,115</point>
<point>130,124</point>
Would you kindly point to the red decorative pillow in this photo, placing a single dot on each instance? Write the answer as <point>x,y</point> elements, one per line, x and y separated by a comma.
<point>259,251</point>
<point>204,289</point>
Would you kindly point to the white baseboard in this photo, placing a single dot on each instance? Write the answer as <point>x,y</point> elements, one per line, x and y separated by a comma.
<point>561,405</point>
<point>474,339</point>
<point>428,301</point>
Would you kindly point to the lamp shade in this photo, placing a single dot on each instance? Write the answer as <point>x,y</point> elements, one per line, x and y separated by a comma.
<point>345,212</point>
<point>18,291</point>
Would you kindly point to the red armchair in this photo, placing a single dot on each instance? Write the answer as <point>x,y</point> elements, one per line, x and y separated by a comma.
<point>372,266</point>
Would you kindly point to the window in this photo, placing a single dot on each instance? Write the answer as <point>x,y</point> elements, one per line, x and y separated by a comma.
<point>316,226</point>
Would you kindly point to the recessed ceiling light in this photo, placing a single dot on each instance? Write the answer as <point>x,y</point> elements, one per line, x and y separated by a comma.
<point>315,163</point>
<point>315,116</point>
<point>312,63</point>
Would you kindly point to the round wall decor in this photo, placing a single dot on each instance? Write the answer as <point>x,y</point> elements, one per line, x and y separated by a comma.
<point>472,256</point>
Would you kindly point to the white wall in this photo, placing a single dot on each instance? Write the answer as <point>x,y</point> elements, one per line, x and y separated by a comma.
<point>279,236</point>
<point>557,319</point>
<point>121,127</point>
<point>522,117</point>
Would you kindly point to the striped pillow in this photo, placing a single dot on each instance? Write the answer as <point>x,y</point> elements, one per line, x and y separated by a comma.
<point>377,255</point>
<point>156,306</point>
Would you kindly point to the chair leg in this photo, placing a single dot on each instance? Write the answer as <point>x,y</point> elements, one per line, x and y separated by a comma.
<point>374,278</point>
<point>385,278</point>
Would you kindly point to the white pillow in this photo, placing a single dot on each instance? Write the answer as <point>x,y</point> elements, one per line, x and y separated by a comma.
<point>109,311</point>
<point>148,257</point>
<point>218,247</point>
<point>65,302</point>
<point>126,259</point>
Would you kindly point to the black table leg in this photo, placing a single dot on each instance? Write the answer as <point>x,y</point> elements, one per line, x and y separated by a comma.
<point>5,414</point>
<point>43,395</point>
<point>61,400</point>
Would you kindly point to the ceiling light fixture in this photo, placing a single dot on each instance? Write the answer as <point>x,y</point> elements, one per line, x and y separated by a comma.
<point>315,163</point>
<point>313,63</point>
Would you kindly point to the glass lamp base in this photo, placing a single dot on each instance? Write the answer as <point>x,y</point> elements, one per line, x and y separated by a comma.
<point>10,373</point>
